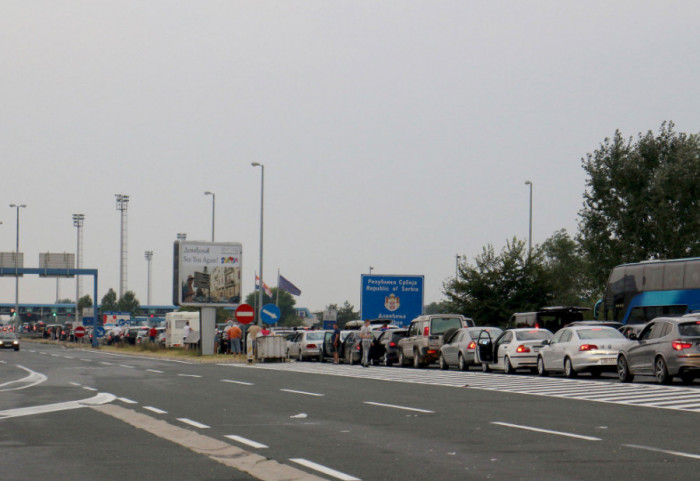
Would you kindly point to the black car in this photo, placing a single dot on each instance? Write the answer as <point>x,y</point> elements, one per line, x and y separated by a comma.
<point>386,346</point>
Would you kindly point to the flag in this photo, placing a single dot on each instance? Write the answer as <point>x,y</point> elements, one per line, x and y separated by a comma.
<point>287,286</point>
<point>265,287</point>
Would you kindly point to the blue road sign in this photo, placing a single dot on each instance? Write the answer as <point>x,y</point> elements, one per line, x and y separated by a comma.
<point>270,314</point>
<point>397,298</point>
<point>100,331</point>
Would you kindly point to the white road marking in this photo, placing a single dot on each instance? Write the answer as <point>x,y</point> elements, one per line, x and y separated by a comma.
<point>193,423</point>
<point>69,357</point>
<point>249,442</point>
<point>31,380</point>
<point>155,410</point>
<point>547,431</point>
<point>127,366</point>
<point>88,388</point>
<point>189,375</point>
<point>302,392</point>
<point>238,382</point>
<point>155,371</point>
<point>86,360</point>
<point>405,408</point>
<point>101,398</point>
<point>324,469</point>
<point>664,451</point>
<point>127,400</point>
<point>74,384</point>
<point>107,363</point>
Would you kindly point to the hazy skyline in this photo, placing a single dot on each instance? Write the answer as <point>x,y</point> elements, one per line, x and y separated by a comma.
<point>394,134</point>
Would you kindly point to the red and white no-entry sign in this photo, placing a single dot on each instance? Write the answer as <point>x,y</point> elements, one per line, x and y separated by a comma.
<point>245,313</point>
<point>79,332</point>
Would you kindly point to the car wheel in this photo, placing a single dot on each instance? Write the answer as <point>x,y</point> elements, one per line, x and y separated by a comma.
<point>463,366</point>
<point>661,371</point>
<point>443,364</point>
<point>569,368</point>
<point>687,377</point>
<point>402,359</point>
<point>540,367</point>
<point>416,360</point>
<point>385,360</point>
<point>17,349</point>
<point>623,370</point>
<point>507,366</point>
<point>301,357</point>
<point>485,368</point>
<point>352,359</point>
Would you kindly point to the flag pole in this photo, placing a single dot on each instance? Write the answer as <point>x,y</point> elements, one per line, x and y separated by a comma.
<point>277,302</point>
<point>255,301</point>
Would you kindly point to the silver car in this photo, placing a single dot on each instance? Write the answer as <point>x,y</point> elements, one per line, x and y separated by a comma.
<point>459,349</point>
<point>305,345</point>
<point>666,347</point>
<point>513,349</point>
<point>581,348</point>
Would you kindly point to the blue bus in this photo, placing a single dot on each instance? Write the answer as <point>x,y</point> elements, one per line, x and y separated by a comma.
<point>637,293</point>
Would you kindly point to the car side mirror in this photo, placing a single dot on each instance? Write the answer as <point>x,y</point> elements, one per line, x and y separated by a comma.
<point>633,337</point>
<point>545,342</point>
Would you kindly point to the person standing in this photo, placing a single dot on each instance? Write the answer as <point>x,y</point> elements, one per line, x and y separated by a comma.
<point>253,333</point>
<point>186,332</point>
<point>366,336</point>
<point>234,339</point>
<point>335,342</point>
<point>152,334</point>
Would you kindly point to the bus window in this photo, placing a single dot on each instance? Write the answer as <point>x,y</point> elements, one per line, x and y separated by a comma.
<point>653,277</point>
<point>673,275</point>
<point>615,282</point>
<point>692,275</point>
<point>634,278</point>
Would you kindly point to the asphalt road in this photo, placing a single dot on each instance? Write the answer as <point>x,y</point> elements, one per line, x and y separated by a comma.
<point>154,419</point>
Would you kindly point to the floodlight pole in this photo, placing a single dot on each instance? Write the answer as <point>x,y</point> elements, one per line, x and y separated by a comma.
<point>213,210</point>
<point>78,220</point>
<point>149,257</point>
<point>262,197</point>
<point>18,207</point>
<point>529,237</point>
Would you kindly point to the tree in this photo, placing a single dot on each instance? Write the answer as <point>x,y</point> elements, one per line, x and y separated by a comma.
<point>109,301</point>
<point>498,285</point>
<point>642,200</point>
<point>564,265</point>
<point>85,301</point>
<point>64,301</point>
<point>441,307</point>
<point>129,303</point>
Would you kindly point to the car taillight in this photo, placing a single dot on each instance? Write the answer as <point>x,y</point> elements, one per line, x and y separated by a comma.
<point>522,348</point>
<point>471,346</point>
<point>358,347</point>
<point>587,347</point>
<point>679,345</point>
<point>311,346</point>
<point>392,344</point>
<point>426,331</point>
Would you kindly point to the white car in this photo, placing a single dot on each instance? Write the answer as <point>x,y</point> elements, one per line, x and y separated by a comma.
<point>581,348</point>
<point>513,349</point>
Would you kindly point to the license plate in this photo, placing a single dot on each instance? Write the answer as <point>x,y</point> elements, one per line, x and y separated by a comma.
<point>608,360</point>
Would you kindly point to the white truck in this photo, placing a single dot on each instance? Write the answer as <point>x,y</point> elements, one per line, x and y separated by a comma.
<point>175,326</point>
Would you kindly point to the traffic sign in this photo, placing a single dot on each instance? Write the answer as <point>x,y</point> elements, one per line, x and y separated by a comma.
<point>270,314</point>
<point>79,331</point>
<point>100,331</point>
<point>245,313</point>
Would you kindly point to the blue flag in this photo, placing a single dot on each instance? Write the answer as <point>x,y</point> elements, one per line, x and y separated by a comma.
<point>287,286</point>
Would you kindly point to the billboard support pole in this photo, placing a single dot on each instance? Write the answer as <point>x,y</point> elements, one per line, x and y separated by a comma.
<point>207,321</point>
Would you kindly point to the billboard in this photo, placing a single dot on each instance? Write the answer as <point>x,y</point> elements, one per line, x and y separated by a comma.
<point>398,298</point>
<point>207,274</point>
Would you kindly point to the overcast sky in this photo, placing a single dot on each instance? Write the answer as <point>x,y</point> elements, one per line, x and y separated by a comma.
<point>394,134</point>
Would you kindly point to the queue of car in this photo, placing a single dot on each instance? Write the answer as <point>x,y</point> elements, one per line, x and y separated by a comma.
<point>663,348</point>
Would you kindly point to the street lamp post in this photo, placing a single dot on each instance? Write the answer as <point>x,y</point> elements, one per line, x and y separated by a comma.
<point>371,268</point>
<point>149,257</point>
<point>18,207</point>
<point>213,210</point>
<point>181,236</point>
<point>78,220</point>
<point>529,237</point>
<point>262,198</point>
<point>458,258</point>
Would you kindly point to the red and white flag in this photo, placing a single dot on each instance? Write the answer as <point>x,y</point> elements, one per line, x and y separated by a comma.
<point>265,286</point>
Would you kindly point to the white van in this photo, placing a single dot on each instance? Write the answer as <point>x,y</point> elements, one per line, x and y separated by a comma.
<point>175,326</point>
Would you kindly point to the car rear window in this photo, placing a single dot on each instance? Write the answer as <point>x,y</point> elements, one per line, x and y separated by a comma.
<point>689,329</point>
<point>438,325</point>
<point>533,335</point>
<point>315,336</point>
<point>599,333</point>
